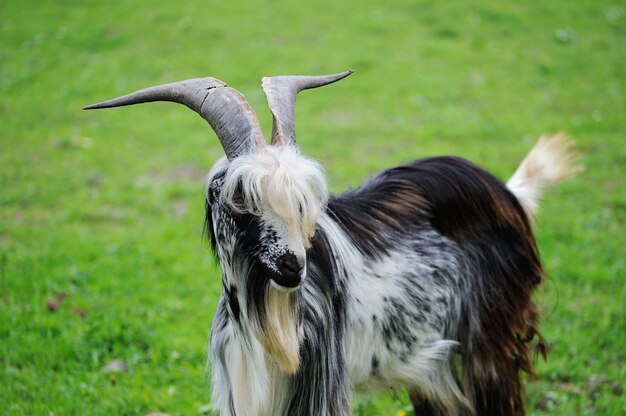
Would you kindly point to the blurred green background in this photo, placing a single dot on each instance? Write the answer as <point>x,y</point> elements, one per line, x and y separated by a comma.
<point>101,252</point>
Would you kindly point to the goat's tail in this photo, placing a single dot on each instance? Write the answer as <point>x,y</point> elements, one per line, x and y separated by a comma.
<point>549,161</point>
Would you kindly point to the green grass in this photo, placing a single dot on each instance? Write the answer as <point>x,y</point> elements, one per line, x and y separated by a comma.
<point>106,207</point>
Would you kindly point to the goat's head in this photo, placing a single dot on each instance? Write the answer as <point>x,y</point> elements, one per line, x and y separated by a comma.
<point>263,200</point>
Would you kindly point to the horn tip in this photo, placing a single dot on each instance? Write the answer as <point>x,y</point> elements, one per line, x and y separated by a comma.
<point>347,73</point>
<point>96,106</point>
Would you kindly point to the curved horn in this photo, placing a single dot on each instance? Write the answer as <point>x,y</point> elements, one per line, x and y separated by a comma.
<point>224,108</point>
<point>281,96</point>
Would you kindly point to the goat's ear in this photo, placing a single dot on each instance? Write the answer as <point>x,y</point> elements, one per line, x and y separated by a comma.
<point>214,189</point>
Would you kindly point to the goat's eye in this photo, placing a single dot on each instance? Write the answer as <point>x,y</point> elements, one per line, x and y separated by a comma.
<point>238,202</point>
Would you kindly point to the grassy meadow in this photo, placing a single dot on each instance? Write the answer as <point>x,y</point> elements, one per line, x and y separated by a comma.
<point>102,256</point>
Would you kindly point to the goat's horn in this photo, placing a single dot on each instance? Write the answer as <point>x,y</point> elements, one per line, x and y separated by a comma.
<point>224,108</point>
<point>281,96</point>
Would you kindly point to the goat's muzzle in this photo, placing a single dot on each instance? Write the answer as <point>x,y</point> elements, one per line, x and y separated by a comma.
<point>290,270</point>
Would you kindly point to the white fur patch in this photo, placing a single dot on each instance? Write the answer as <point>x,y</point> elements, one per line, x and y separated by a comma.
<point>279,180</point>
<point>425,368</point>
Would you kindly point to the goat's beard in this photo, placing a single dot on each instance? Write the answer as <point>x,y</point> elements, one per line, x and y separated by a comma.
<point>279,330</point>
<point>275,318</point>
<point>273,314</point>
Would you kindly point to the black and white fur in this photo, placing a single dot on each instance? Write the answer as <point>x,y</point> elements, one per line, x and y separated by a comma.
<point>420,265</point>
<point>421,278</point>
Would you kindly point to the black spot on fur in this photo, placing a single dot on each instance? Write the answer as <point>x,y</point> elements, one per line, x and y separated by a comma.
<point>375,365</point>
<point>233,302</point>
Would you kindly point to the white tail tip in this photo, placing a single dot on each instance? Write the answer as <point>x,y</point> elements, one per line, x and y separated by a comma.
<point>551,160</point>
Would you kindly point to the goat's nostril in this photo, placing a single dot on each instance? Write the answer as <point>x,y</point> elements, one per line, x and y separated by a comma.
<point>289,265</point>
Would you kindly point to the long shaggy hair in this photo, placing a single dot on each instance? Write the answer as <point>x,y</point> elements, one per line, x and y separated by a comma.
<point>425,262</point>
<point>277,179</point>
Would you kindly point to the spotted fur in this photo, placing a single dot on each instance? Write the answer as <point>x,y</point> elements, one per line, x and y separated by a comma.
<point>422,278</point>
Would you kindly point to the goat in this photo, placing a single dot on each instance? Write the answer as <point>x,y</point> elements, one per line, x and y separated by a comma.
<point>422,277</point>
